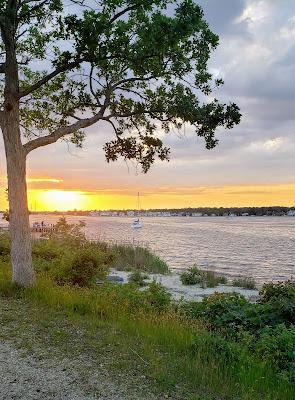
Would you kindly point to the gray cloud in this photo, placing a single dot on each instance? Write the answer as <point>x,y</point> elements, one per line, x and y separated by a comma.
<point>256,57</point>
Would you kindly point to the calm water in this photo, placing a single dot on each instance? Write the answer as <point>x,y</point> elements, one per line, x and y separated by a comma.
<point>262,247</point>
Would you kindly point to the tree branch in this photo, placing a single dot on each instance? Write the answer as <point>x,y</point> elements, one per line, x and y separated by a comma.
<point>122,12</point>
<point>50,76</point>
<point>60,132</point>
<point>32,9</point>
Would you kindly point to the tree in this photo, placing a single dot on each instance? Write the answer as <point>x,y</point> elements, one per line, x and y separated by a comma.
<point>138,65</point>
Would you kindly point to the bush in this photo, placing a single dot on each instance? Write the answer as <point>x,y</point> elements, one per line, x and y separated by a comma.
<point>138,278</point>
<point>244,282</point>
<point>47,249</point>
<point>280,290</point>
<point>69,234</point>
<point>277,346</point>
<point>192,276</point>
<point>195,276</point>
<point>158,297</point>
<point>82,268</point>
<point>227,312</point>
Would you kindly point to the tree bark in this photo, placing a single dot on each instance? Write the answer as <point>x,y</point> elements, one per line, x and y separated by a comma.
<point>21,257</point>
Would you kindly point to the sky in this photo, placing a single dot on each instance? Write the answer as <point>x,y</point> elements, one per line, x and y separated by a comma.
<point>254,163</point>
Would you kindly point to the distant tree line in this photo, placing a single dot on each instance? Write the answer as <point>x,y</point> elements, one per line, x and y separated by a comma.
<point>190,211</point>
<point>239,211</point>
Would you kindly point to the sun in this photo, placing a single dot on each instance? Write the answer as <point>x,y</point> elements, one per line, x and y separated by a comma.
<point>57,200</point>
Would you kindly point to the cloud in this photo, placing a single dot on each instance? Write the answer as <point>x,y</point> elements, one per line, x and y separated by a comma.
<point>256,58</point>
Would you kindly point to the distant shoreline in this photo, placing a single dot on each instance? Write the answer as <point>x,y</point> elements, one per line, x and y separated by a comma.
<point>271,211</point>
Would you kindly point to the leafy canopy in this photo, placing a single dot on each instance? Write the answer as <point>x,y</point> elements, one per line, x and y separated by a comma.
<point>139,65</point>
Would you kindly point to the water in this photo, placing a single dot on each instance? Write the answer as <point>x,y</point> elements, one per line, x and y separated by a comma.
<point>261,247</point>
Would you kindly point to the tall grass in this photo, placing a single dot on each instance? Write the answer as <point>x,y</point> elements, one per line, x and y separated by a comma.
<point>244,282</point>
<point>177,352</point>
<point>128,257</point>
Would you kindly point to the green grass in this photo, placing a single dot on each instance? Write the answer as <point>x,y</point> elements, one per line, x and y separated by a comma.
<point>244,282</point>
<point>179,356</point>
<point>132,257</point>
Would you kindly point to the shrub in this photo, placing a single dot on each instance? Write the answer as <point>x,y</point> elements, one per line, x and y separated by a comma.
<point>223,280</point>
<point>277,346</point>
<point>244,282</point>
<point>82,268</point>
<point>47,249</point>
<point>158,297</point>
<point>280,290</point>
<point>70,234</point>
<point>191,277</point>
<point>194,276</point>
<point>138,278</point>
<point>228,312</point>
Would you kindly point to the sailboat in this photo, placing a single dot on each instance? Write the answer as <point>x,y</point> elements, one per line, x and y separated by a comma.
<point>136,224</point>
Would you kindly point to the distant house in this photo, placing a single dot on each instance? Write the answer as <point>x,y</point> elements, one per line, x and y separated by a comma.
<point>245,214</point>
<point>94,213</point>
<point>291,213</point>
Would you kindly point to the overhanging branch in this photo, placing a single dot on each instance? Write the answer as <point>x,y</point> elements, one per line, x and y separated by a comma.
<point>47,78</point>
<point>61,132</point>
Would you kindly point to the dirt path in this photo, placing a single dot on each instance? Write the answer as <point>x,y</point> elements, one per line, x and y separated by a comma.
<point>37,363</point>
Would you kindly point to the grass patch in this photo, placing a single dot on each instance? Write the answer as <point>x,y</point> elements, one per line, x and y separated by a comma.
<point>179,355</point>
<point>244,282</point>
<point>132,257</point>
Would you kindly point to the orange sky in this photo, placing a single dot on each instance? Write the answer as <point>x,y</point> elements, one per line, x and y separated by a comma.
<point>161,197</point>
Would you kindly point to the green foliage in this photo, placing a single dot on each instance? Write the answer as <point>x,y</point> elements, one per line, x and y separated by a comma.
<point>68,234</point>
<point>244,282</point>
<point>179,353</point>
<point>223,311</point>
<point>138,278</point>
<point>278,291</point>
<point>191,277</point>
<point>145,68</point>
<point>158,297</point>
<point>47,249</point>
<point>277,346</point>
<point>129,258</point>
<point>266,329</point>
<point>195,276</point>
<point>82,267</point>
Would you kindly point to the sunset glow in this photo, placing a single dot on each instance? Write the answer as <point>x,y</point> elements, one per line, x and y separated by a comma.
<point>161,197</point>
<point>57,200</point>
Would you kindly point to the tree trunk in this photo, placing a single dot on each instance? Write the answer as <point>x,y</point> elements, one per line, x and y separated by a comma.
<point>21,257</point>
